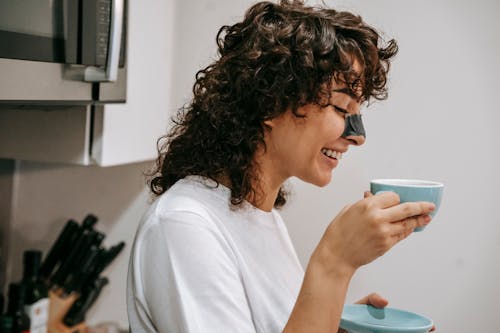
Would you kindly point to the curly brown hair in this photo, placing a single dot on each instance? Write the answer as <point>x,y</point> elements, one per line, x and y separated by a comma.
<point>280,57</point>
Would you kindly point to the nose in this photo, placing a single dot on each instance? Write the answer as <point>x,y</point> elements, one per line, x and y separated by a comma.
<point>354,130</point>
<point>356,140</point>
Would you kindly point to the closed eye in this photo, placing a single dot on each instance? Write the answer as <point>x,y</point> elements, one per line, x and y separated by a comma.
<point>340,110</point>
<point>344,112</point>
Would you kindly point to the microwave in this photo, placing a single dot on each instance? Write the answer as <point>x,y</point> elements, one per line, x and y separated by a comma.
<point>68,52</point>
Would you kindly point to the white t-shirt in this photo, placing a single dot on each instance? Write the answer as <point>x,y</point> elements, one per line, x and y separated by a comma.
<point>199,266</point>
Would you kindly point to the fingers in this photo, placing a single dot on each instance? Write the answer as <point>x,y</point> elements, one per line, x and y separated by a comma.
<point>407,210</point>
<point>389,201</point>
<point>367,194</point>
<point>383,200</point>
<point>402,229</point>
<point>374,299</point>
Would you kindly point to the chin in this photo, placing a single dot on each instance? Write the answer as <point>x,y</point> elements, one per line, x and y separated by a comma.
<point>324,183</point>
<point>320,180</point>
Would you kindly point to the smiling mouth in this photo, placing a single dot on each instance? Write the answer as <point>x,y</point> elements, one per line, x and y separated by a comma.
<point>332,153</point>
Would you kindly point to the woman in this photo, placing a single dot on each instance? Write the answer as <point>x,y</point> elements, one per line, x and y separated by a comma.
<point>283,100</point>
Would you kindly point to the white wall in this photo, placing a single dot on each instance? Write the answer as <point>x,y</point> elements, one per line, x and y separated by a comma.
<point>439,123</point>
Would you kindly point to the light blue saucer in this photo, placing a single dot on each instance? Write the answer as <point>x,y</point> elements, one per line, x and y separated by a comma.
<point>361,318</point>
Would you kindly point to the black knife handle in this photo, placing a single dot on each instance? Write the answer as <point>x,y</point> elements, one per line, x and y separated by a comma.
<point>76,313</point>
<point>89,221</point>
<point>59,248</point>
<point>74,257</point>
<point>76,281</point>
<point>110,255</point>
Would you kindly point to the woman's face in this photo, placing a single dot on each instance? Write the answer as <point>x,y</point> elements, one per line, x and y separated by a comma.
<point>311,147</point>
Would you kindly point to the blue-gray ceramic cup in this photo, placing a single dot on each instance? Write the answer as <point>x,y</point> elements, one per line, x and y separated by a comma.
<point>411,190</point>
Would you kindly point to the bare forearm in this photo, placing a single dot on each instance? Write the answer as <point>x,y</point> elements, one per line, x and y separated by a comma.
<point>321,298</point>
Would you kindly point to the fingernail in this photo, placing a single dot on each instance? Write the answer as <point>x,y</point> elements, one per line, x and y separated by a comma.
<point>427,218</point>
<point>433,207</point>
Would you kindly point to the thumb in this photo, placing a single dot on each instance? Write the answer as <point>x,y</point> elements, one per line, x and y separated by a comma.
<point>375,300</point>
<point>367,194</point>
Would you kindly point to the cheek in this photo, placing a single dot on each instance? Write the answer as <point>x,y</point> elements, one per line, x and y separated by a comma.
<point>332,128</point>
<point>339,128</point>
<point>283,143</point>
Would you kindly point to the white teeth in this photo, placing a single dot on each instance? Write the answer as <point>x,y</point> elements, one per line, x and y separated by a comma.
<point>332,153</point>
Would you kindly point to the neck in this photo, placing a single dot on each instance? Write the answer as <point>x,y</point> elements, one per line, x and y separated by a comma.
<point>265,195</point>
<point>270,180</point>
<point>266,186</point>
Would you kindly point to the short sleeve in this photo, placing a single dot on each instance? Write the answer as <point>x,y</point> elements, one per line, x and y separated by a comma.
<point>190,278</point>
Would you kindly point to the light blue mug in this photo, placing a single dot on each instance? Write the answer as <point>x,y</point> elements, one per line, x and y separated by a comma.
<point>411,190</point>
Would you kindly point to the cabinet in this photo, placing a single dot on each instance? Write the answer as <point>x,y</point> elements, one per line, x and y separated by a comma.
<point>109,134</point>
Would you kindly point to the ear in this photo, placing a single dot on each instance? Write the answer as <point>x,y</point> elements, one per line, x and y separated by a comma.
<point>269,123</point>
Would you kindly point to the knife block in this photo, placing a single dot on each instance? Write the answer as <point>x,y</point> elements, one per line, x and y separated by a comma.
<point>58,308</point>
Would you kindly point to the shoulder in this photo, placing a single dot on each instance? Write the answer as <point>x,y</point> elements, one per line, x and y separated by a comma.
<point>189,196</point>
<point>189,201</point>
<point>182,223</point>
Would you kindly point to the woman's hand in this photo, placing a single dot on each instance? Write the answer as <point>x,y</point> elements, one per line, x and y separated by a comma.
<point>367,229</point>
<point>377,301</point>
<point>373,299</point>
<point>360,233</point>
